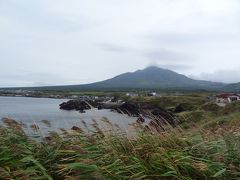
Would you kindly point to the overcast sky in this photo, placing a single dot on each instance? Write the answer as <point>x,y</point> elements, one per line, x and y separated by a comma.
<point>53,42</point>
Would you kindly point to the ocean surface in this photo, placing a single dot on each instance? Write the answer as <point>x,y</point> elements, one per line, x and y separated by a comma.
<point>33,110</point>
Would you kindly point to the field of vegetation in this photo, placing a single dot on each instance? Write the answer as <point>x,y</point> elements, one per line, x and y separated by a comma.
<point>205,145</point>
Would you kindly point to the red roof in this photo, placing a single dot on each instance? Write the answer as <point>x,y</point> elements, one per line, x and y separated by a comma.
<point>226,95</point>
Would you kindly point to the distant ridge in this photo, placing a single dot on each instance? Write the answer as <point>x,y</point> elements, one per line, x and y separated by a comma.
<point>149,78</point>
<point>235,87</point>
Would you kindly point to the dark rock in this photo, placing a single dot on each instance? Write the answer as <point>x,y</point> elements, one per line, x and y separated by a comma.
<point>78,105</point>
<point>157,125</point>
<point>164,116</point>
<point>77,129</point>
<point>82,111</point>
<point>147,128</point>
<point>48,138</point>
<point>159,116</point>
<point>129,108</point>
<point>140,120</point>
<point>100,107</point>
<point>10,122</point>
<point>109,105</point>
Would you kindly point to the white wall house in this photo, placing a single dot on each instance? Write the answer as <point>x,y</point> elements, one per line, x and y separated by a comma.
<point>152,94</point>
<point>227,98</point>
<point>130,94</point>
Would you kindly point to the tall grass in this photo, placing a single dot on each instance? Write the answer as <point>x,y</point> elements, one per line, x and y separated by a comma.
<point>171,154</point>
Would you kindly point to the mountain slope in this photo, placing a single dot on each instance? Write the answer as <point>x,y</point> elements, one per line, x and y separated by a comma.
<point>153,77</point>
<point>148,78</point>
<point>235,87</point>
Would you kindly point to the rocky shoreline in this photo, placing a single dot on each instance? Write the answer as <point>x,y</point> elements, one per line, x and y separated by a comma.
<point>158,116</point>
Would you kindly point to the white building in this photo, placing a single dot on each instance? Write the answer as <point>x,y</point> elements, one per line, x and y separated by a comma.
<point>226,98</point>
<point>152,94</point>
<point>130,94</point>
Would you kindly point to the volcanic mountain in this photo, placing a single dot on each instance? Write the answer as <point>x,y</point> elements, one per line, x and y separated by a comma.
<point>152,78</point>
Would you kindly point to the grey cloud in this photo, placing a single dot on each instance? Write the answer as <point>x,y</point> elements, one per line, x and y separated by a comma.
<point>64,42</point>
<point>164,55</point>
<point>176,67</point>
<point>32,79</point>
<point>227,76</point>
<point>34,16</point>
<point>113,47</point>
<point>186,38</point>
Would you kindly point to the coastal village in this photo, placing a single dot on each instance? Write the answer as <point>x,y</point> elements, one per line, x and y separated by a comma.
<point>28,93</point>
<point>221,99</point>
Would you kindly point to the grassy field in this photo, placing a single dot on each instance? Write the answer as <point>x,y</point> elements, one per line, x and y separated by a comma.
<point>206,145</point>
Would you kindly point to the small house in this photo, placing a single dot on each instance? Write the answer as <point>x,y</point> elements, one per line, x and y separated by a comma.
<point>152,94</point>
<point>131,94</point>
<point>226,98</point>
